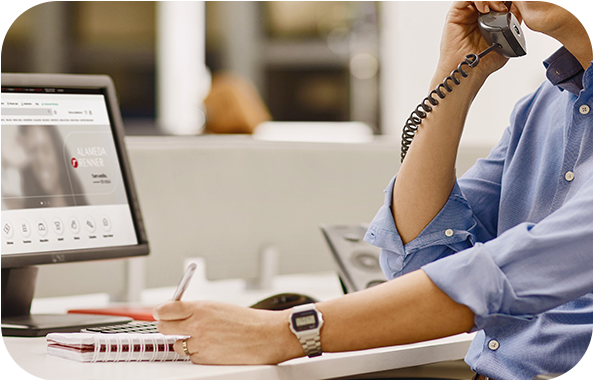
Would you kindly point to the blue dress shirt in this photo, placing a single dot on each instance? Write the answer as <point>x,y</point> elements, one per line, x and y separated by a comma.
<point>518,227</point>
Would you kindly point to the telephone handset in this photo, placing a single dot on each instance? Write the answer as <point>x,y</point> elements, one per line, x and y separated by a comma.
<point>503,29</point>
<point>503,33</point>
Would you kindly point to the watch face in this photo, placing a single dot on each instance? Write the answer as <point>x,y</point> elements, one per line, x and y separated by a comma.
<point>305,320</point>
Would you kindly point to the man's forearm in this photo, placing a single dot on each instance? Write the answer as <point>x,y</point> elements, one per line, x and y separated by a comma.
<point>428,173</point>
<point>417,309</point>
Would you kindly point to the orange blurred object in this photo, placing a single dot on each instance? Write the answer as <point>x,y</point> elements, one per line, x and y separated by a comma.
<point>233,106</point>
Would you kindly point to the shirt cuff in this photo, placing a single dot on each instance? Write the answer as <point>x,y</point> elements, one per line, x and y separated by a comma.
<point>452,227</point>
<point>472,278</point>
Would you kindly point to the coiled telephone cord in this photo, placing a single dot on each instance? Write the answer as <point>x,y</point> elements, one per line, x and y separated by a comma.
<point>426,106</point>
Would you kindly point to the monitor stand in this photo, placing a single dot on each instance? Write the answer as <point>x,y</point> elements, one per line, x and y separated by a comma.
<point>18,285</point>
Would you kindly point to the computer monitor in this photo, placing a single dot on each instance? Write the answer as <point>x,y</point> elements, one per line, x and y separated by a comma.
<point>67,189</point>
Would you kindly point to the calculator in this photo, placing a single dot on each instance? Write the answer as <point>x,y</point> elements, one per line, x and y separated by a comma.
<point>137,327</point>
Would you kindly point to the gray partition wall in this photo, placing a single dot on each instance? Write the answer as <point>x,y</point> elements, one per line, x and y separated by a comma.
<point>225,198</point>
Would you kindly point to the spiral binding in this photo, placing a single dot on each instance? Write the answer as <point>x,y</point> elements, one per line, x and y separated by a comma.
<point>426,106</point>
<point>133,347</point>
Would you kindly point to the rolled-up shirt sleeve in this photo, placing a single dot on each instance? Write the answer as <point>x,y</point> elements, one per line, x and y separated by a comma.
<point>469,216</point>
<point>527,270</point>
<point>451,231</point>
<point>511,277</point>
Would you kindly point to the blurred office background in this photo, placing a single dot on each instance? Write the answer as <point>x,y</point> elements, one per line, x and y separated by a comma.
<point>343,67</point>
<point>309,61</point>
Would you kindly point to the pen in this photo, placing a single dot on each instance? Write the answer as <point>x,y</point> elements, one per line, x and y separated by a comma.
<point>184,282</point>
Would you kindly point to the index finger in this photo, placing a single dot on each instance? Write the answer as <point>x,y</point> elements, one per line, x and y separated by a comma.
<point>172,311</point>
<point>487,6</point>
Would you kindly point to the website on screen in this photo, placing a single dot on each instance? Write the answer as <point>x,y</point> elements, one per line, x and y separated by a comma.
<point>62,186</point>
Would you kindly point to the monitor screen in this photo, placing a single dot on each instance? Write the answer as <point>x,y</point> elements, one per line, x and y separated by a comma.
<point>62,188</point>
<point>67,189</point>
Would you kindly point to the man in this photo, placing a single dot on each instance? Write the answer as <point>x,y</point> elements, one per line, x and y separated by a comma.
<point>505,251</point>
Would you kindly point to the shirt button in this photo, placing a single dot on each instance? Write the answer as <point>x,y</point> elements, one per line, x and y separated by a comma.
<point>493,345</point>
<point>569,176</point>
<point>449,232</point>
<point>584,109</point>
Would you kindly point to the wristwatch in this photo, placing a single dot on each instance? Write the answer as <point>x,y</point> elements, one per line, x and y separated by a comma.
<point>305,321</point>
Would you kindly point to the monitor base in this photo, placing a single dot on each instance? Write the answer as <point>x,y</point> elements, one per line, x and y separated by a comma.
<point>38,325</point>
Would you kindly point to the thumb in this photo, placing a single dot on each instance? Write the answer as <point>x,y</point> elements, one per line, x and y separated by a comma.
<point>172,310</point>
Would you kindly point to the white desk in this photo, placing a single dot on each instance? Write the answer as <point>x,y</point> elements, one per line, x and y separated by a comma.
<point>30,353</point>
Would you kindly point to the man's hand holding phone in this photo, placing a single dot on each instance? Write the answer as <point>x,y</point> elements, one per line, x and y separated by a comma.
<point>461,36</point>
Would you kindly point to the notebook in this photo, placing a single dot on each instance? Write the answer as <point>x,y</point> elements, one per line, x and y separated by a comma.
<point>120,347</point>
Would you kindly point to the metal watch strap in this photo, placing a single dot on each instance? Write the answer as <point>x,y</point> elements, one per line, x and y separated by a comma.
<point>309,337</point>
<point>312,346</point>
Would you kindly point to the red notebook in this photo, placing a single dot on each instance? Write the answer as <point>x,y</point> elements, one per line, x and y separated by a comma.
<point>140,313</point>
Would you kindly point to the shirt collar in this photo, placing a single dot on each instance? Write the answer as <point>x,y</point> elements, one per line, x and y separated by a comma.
<point>564,71</point>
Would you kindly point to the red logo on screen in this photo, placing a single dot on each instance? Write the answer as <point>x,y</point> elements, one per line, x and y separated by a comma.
<point>74,162</point>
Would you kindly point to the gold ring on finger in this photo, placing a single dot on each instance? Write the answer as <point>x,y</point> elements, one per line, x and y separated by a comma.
<point>185,347</point>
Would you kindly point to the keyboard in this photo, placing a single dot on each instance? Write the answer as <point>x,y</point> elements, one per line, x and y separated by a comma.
<point>139,327</point>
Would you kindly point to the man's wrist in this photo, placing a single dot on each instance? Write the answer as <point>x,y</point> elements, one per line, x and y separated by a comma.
<point>289,345</point>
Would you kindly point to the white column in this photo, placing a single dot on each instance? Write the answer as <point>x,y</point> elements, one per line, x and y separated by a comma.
<point>243,41</point>
<point>183,81</point>
<point>409,47</point>
<point>49,52</point>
